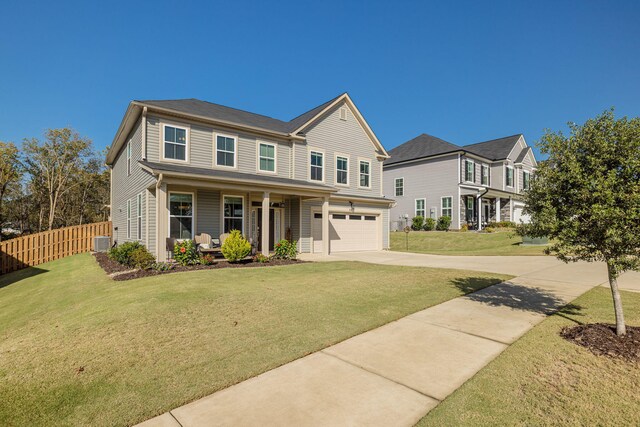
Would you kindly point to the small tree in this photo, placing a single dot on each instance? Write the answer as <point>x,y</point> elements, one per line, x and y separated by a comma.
<point>10,173</point>
<point>586,197</point>
<point>235,247</point>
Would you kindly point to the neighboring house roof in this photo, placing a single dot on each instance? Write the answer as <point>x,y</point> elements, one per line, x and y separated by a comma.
<point>495,149</point>
<point>420,147</point>
<point>225,175</point>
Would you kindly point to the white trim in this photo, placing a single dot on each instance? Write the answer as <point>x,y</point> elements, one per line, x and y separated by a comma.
<point>368,161</point>
<point>193,211</point>
<point>275,157</point>
<point>513,176</point>
<point>128,158</point>
<point>442,208</point>
<point>139,216</point>
<point>424,207</point>
<point>128,219</point>
<point>343,114</point>
<point>523,180</point>
<point>324,164</point>
<point>215,150</point>
<point>395,187</point>
<point>222,212</point>
<point>518,142</point>
<point>143,148</point>
<point>482,166</point>
<point>146,218</point>
<point>335,175</point>
<point>473,170</point>
<point>187,146</point>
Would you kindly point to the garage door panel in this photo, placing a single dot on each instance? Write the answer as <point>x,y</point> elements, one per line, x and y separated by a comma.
<point>349,232</point>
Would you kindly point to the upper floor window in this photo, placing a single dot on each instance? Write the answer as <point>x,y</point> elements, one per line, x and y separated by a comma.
<point>225,151</point>
<point>342,170</point>
<point>175,143</point>
<point>399,186</point>
<point>267,157</point>
<point>447,207</point>
<point>129,158</point>
<point>421,207</point>
<point>469,171</point>
<point>317,166</point>
<point>485,175</point>
<point>365,174</point>
<point>526,180</point>
<point>508,179</point>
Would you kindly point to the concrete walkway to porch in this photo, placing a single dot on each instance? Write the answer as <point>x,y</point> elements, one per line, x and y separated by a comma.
<point>395,374</point>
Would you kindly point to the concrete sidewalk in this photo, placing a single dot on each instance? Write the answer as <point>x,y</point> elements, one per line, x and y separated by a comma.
<point>395,374</point>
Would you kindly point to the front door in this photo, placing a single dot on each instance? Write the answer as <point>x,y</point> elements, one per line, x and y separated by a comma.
<point>486,214</point>
<point>272,228</point>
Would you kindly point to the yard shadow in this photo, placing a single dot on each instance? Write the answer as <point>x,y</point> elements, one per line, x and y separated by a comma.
<point>7,279</point>
<point>518,297</point>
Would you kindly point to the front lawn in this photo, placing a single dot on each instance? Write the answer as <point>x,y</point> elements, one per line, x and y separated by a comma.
<point>77,348</point>
<point>543,379</point>
<point>462,243</point>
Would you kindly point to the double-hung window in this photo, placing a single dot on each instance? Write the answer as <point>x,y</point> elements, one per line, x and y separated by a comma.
<point>447,208</point>
<point>128,158</point>
<point>233,213</point>
<point>129,219</point>
<point>469,171</point>
<point>267,157</point>
<point>175,143</point>
<point>181,215</point>
<point>139,216</point>
<point>225,151</point>
<point>421,207</point>
<point>526,180</point>
<point>317,166</point>
<point>399,187</point>
<point>342,170</point>
<point>365,174</point>
<point>485,175</point>
<point>509,176</point>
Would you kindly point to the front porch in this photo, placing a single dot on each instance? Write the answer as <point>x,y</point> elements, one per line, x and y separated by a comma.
<point>480,207</point>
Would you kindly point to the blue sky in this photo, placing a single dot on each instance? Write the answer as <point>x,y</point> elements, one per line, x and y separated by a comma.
<point>463,71</point>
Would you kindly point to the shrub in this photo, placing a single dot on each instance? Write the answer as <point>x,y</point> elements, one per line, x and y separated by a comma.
<point>142,258</point>
<point>235,247</point>
<point>207,259</point>
<point>285,249</point>
<point>161,266</point>
<point>489,230</point>
<point>429,224</point>
<point>122,253</point>
<point>261,258</point>
<point>464,227</point>
<point>185,253</point>
<point>417,223</point>
<point>501,224</point>
<point>443,223</point>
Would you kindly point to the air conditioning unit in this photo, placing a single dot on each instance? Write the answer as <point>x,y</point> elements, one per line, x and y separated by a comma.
<point>101,243</point>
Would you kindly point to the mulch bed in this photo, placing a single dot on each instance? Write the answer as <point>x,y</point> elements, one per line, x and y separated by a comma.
<point>601,339</point>
<point>120,272</point>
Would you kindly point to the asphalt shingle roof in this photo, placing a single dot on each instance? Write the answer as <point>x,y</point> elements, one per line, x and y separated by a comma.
<point>495,149</point>
<point>522,154</point>
<point>197,107</point>
<point>420,147</point>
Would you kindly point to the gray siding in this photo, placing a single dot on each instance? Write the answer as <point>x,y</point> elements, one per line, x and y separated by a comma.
<point>208,212</point>
<point>294,217</point>
<point>430,179</point>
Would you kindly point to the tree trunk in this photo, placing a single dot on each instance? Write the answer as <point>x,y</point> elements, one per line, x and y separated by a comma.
<point>621,329</point>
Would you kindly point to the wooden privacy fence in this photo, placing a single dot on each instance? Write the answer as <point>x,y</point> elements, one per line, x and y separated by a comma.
<point>35,249</point>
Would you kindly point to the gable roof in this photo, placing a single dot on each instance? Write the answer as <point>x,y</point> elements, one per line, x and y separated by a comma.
<point>420,147</point>
<point>495,149</point>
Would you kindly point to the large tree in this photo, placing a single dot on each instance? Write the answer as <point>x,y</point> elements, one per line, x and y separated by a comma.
<point>10,173</point>
<point>586,197</point>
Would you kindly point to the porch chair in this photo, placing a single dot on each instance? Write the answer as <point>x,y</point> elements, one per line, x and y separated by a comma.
<point>171,243</point>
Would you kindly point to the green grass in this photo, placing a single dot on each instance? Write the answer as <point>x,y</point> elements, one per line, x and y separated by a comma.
<point>149,345</point>
<point>462,243</point>
<point>544,380</point>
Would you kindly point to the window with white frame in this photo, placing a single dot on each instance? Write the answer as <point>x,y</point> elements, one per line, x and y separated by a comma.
<point>365,173</point>
<point>139,217</point>
<point>267,157</point>
<point>175,143</point>
<point>317,166</point>
<point>129,158</point>
<point>485,175</point>
<point>469,171</point>
<point>225,151</point>
<point>233,213</point>
<point>526,180</point>
<point>509,176</point>
<point>181,215</point>
<point>129,219</point>
<point>447,207</point>
<point>399,187</point>
<point>342,170</point>
<point>421,207</point>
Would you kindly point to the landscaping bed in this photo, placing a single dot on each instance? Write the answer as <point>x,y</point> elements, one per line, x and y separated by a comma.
<point>601,339</point>
<point>118,271</point>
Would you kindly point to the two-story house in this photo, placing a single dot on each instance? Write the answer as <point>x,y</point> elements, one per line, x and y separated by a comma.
<point>473,184</point>
<point>184,167</point>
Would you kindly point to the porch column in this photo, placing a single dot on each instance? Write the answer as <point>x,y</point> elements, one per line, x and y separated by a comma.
<point>479,207</point>
<point>162,222</point>
<point>498,209</point>
<point>325,226</point>
<point>510,209</point>
<point>264,233</point>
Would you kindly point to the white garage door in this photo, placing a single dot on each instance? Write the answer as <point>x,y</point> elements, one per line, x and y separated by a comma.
<point>519,216</point>
<point>348,232</point>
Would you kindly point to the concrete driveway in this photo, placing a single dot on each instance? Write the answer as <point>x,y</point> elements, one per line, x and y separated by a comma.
<point>395,374</point>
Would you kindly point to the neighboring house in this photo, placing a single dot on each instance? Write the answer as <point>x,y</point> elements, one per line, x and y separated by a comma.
<point>474,184</point>
<point>184,167</point>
